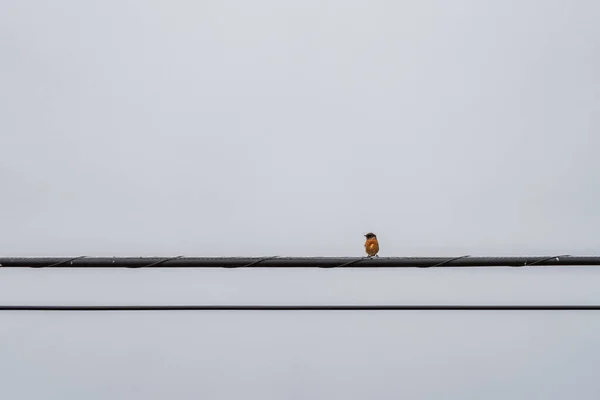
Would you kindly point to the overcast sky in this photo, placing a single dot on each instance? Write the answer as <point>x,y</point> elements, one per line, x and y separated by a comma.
<point>291,128</point>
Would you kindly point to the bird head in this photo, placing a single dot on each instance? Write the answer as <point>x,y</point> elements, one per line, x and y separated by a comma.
<point>370,235</point>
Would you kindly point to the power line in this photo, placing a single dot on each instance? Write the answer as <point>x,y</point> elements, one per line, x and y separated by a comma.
<point>363,307</point>
<point>296,262</point>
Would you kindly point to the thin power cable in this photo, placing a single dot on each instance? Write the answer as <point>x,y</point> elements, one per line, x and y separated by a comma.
<point>354,307</point>
<point>446,262</point>
<point>298,262</point>
<point>256,262</point>
<point>164,260</point>
<point>58,263</point>
<point>543,260</point>
<point>347,263</point>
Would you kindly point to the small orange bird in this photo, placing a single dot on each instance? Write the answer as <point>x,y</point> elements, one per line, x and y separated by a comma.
<point>371,245</point>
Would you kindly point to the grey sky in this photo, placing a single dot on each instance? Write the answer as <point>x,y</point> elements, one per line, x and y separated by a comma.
<point>225,128</point>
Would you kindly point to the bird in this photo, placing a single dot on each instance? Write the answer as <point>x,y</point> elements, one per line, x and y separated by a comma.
<point>371,245</point>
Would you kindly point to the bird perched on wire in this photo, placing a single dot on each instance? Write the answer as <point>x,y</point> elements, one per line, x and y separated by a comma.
<point>371,245</point>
